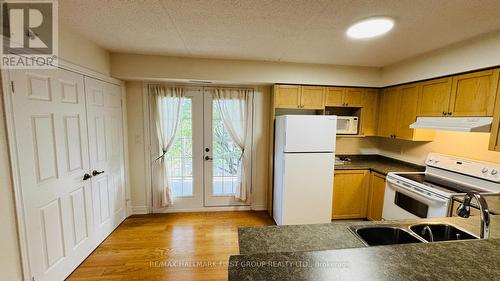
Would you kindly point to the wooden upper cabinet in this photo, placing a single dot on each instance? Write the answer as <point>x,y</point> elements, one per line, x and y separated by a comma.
<point>369,112</point>
<point>376,197</point>
<point>335,96</point>
<point>397,111</point>
<point>388,111</point>
<point>341,96</point>
<point>473,94</point>
<point>434,97</point>
<point>354,97</point>
<point>350,192</point>
<point>312,97</point>
<point>287,96</point>
<point>495,127</point>
<point>407,113</point>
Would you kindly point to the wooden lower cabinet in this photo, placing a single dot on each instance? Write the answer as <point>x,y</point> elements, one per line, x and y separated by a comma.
<point>350,192</point>
<point>375,196</point>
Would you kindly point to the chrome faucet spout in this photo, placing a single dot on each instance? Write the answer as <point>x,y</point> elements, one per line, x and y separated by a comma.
<point>428,229</point>
<point>464,212</point>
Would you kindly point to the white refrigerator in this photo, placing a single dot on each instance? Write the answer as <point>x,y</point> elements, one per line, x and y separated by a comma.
<point>304,155</point>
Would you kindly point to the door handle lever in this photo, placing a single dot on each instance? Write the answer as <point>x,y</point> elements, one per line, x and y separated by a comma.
<point>95,173</point>
<point>208,158</point>
<point>86,177</point>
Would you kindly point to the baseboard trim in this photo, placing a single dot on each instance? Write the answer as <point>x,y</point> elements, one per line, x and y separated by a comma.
<point>204,209</point>
<point>142,210</point>
<point>259,207</point>
<point>139,210</point>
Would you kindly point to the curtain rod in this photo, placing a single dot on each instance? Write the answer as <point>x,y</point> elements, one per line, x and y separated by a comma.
<point>205,86</point>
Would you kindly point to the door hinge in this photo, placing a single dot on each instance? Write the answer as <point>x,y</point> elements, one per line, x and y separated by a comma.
<point>12,86</point>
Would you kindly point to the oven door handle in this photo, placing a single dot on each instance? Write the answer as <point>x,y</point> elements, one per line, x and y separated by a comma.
<point>401,187</point>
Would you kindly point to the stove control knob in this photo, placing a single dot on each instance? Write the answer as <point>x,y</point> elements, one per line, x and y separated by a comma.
<point>484,170</point>
<point>494,172</point>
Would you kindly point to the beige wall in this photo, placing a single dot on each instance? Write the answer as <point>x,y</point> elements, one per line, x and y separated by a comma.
<point>150,67</point>
<point>476,53</point>
<point>135,117</point>
<point>468,145</point>
<point>355,145</point>
<point>80,51</point>
<point>136,140</point>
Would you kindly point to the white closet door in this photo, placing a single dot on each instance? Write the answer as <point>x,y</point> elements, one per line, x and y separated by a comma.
<point>104,117</point>
<point>52,153</point>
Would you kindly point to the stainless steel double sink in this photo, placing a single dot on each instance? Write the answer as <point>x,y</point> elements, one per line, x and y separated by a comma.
<point>390,234</point>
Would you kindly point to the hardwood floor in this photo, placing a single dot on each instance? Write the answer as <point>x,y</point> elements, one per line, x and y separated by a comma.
<point>182,246</point>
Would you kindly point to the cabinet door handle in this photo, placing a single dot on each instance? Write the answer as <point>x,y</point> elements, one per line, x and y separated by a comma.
<point>444,113</point>
<point>96,173</point>
<point>449,113</point>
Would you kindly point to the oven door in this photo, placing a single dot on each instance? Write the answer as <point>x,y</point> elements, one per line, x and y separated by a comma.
<point>402,201</point>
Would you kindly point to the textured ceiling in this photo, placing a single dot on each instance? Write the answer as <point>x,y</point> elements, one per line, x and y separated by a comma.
<point>278,30</point>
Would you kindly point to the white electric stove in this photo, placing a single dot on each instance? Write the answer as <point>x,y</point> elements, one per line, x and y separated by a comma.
<point>429,194</point>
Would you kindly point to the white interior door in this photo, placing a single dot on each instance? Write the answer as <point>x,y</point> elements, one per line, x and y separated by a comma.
<point>51,138</point>
<point>222,157</point>
<point>185,158</point>
<point>104,117</point>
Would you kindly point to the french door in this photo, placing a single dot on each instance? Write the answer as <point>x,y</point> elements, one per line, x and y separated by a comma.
<point>203,161</point>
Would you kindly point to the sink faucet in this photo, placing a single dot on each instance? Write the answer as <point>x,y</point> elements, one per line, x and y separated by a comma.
<point>428,229</point>
<point>464,211</point>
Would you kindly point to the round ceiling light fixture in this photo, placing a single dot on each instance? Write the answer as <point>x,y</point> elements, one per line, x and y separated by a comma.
<point>369,28</point>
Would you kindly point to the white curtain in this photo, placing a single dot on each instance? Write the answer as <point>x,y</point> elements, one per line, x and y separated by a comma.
<point>235,108</point>
<point>166,103</point>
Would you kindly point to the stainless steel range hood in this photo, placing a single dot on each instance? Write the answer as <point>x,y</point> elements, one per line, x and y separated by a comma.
<point>459,124</point>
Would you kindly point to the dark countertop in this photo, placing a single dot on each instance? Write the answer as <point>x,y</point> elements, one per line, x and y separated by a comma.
<point>328,236</point>
<point>303,252</point>
<point>468,260</point>
<point>377,163</point>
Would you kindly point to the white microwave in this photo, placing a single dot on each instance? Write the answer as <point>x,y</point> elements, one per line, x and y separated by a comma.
<point>347,125</point>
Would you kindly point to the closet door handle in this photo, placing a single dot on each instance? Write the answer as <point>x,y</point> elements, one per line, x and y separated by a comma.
<point>96,173</point>
<point>86,177</point>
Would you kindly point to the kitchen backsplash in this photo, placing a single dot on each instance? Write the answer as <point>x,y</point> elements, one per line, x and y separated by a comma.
<point>469,145</point>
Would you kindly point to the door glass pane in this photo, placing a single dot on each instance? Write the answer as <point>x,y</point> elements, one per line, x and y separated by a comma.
<point>226,157</point>
<point>180,156</point>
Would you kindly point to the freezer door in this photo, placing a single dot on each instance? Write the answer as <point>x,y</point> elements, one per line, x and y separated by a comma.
<point>307,188</point>
<point>309,133</point>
